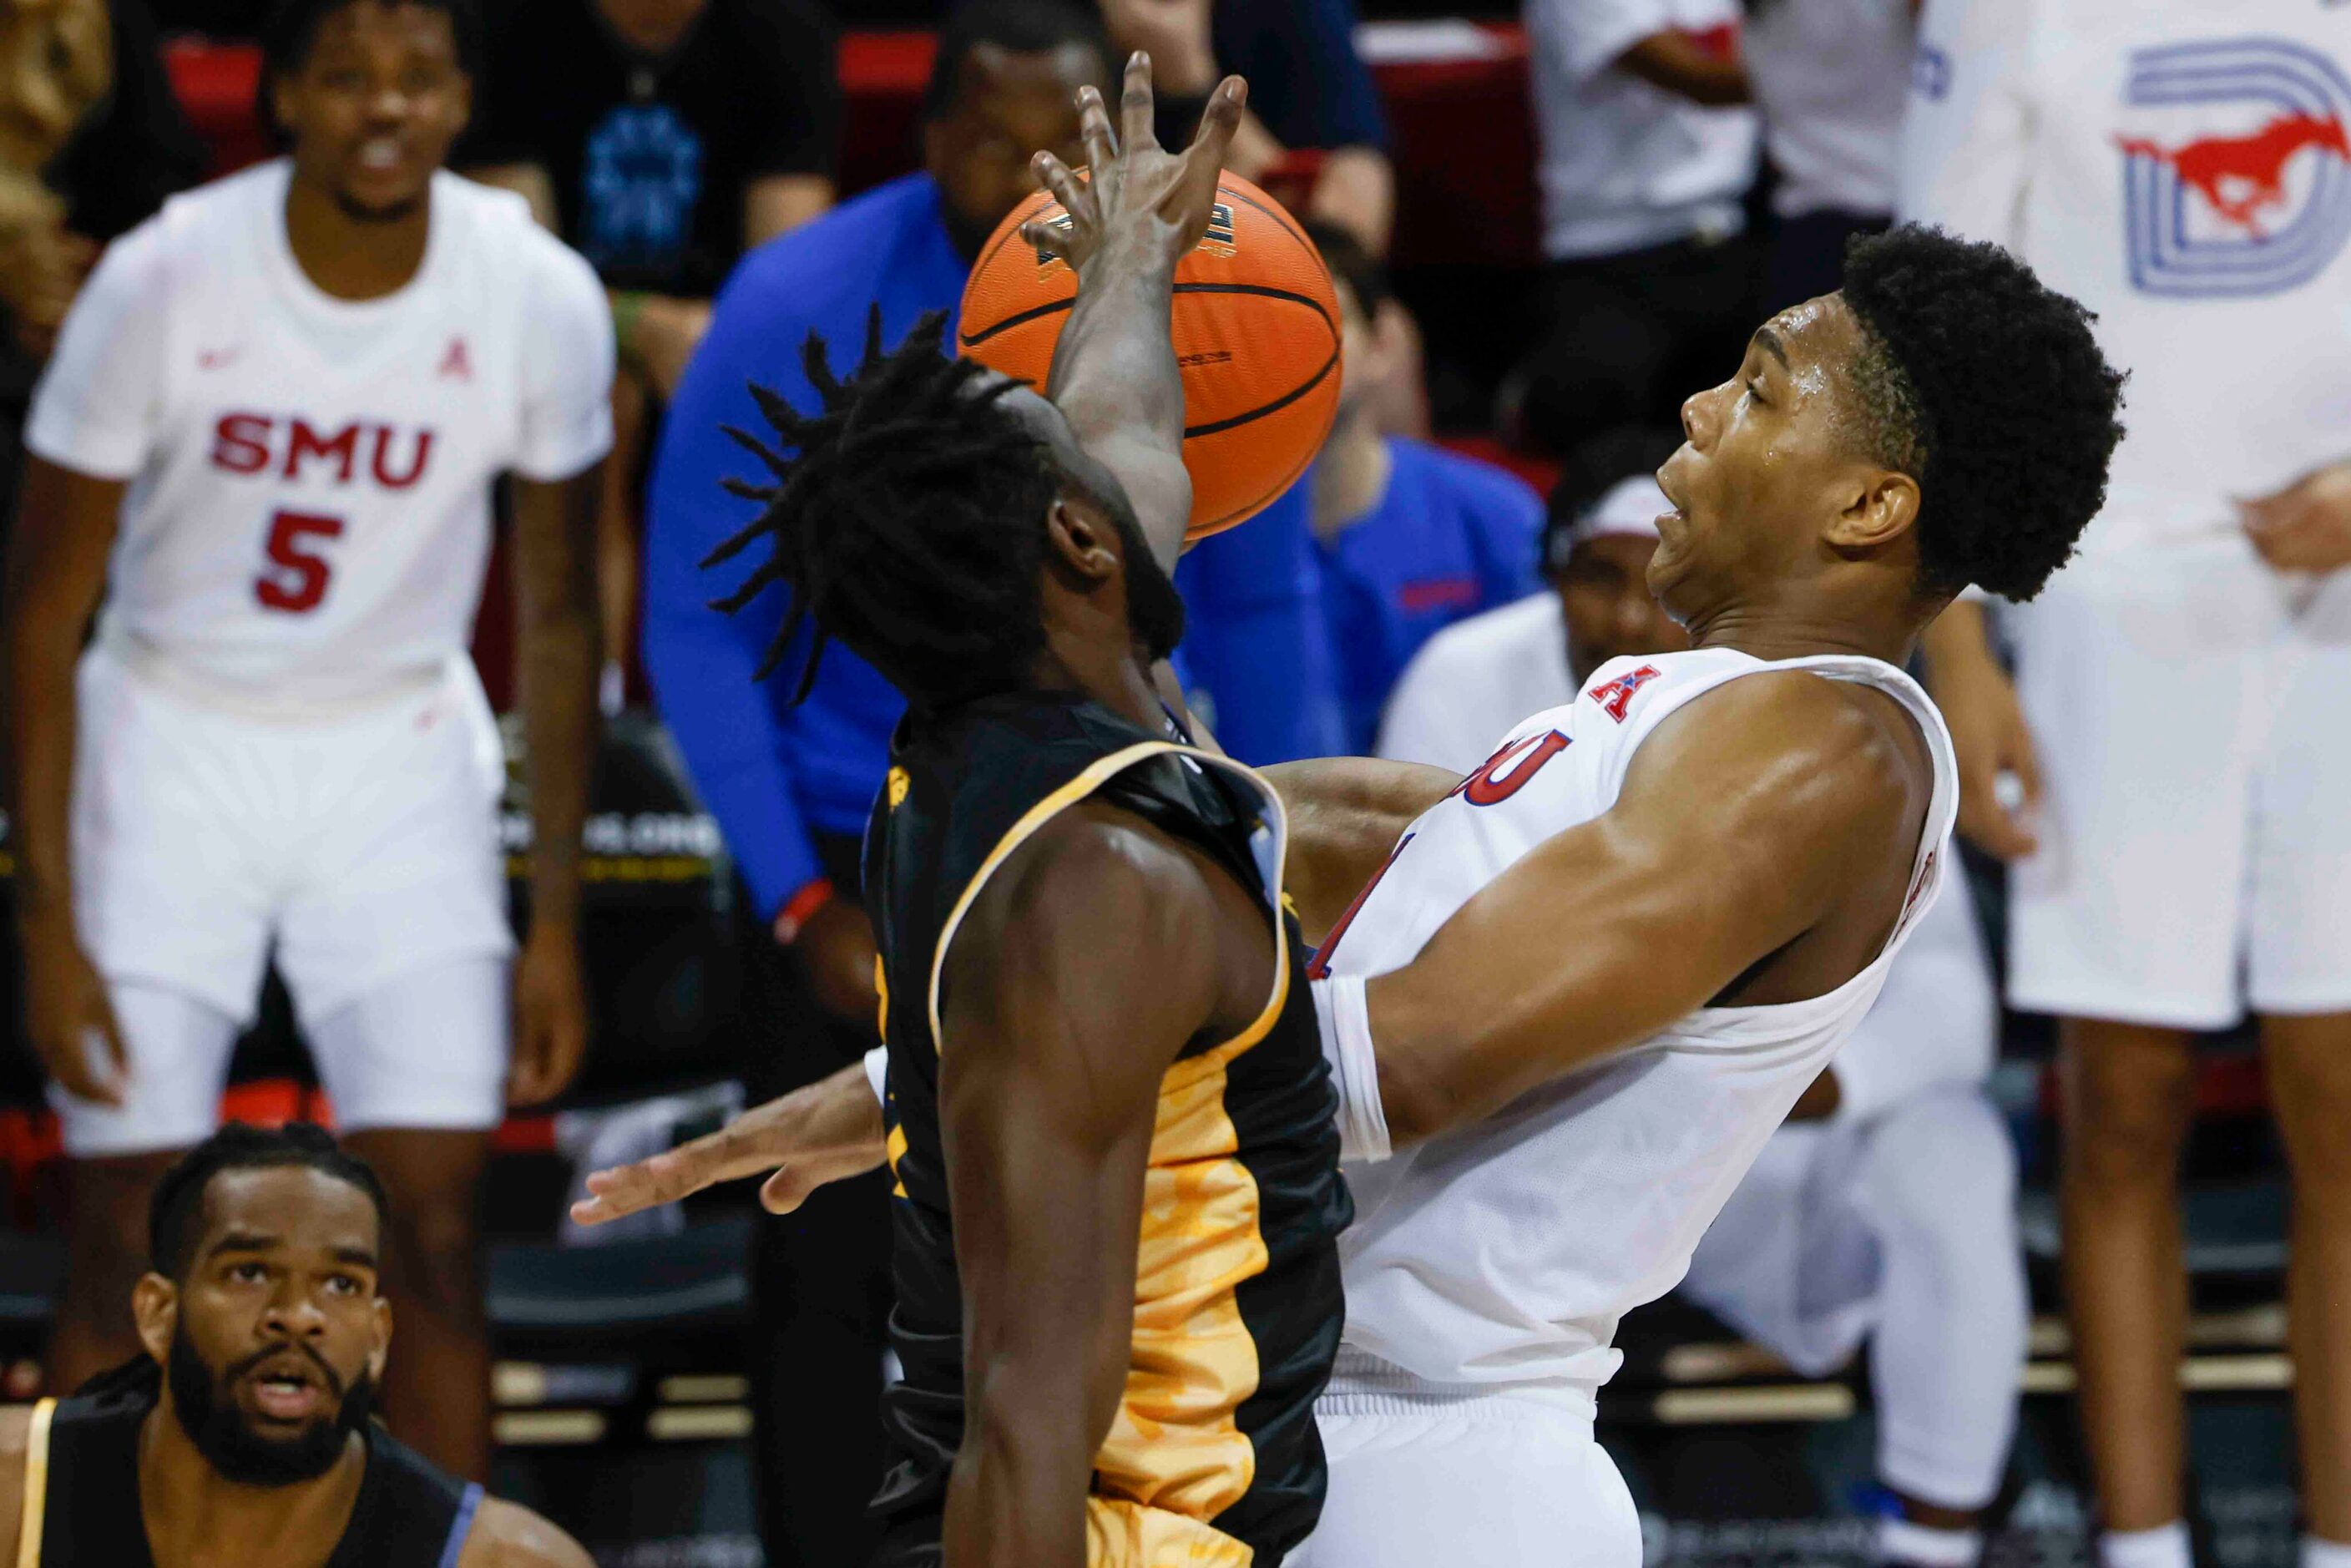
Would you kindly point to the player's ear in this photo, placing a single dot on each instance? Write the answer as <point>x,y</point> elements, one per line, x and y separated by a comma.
<point>155,1309</point>
<point>1879,508</point>
<point>1080,538</point>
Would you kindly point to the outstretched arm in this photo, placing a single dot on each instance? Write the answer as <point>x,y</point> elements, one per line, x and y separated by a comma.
<point>1733,836</point>
<point>1139,212</point>
<point>1346,814</point>
<point>1049,1064</point>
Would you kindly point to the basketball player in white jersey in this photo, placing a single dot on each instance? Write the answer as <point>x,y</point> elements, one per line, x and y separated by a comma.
<point>1885,1208</point>
<point>2174,734</point>
<point>267,442</point>
<point>1591,978</point>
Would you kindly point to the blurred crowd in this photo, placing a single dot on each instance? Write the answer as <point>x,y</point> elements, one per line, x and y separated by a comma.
<point>1444,571</point>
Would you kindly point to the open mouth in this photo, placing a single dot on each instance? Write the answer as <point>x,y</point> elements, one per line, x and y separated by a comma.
<point>288,1388</point>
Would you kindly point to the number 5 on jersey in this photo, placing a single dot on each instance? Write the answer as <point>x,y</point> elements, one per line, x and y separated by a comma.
<point>295,578</point>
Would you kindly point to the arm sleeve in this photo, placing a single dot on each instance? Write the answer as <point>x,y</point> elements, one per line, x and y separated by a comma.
<point>1259,644</point>
<point>1967,135</point>
<point>567,412</point>
<point>701,662</point>
<point>96,407</point>
<point>1587,36</point>
<point>796,126</point>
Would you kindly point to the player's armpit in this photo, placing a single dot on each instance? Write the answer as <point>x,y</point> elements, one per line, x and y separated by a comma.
<point>1345,815</point>
<point>1081,971</point>
<point>507,1536</point>
<point>1738,831</point>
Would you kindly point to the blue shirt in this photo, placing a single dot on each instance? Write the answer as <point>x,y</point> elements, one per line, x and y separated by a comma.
<point>776,775</point>
<point>1307,84</point>
<point>1451,537</point>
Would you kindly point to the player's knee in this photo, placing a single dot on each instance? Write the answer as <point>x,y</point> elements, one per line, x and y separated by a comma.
<point>1944,1172</point>
<point>2126,1118</point>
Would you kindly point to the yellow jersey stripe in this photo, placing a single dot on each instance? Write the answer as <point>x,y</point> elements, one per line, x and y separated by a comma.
<point>35,1513</point>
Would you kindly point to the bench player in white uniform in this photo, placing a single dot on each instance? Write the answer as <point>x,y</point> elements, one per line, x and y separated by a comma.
<point>1591,978</point>
<point>268,439</point>
<point>2185,169</point>
<point>1884,1207</point>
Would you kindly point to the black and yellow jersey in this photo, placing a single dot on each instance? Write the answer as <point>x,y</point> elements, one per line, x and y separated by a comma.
<point>1213,1459</point>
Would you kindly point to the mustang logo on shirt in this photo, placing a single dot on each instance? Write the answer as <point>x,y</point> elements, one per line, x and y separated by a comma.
<point>2237,179</point>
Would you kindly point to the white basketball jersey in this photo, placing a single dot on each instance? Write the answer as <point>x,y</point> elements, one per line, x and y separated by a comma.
<point>308,516</point>
<point>1505,1252</point>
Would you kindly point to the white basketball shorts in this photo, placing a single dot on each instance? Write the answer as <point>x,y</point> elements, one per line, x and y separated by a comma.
<point>2192,708</point>
<point>359,851</point>
<point>1423,1475</point>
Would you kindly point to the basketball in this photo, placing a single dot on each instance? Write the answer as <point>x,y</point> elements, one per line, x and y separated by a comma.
<point>1257,335</point>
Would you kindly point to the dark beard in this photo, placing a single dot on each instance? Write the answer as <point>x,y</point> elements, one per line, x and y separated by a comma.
<point>1155,609</point>
<point>228,1442</point>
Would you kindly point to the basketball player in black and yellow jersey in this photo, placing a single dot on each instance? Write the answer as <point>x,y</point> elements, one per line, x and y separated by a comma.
<point>241,1434</point>
<point>1109,1118</point>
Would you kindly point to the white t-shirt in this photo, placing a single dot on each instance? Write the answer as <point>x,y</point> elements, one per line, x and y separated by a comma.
<point>2182,168</point>
<point>1504,1252</point>
<point>1937,1021</point>
<point>1831,78</point>
<point>308,519</point>
<point>1626,165</point>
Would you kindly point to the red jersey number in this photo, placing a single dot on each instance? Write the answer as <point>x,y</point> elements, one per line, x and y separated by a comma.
<point>295,580</point>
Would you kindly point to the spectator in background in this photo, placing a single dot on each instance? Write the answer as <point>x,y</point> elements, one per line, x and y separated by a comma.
<point>2174,735</point>
<point>792,785</point>
<point>1308,88</point>
<point>1830,78</point>
<point>91,141</point>
<point>1885,1209</point>
<point>1409,537</point>
<point>662,139</point>
<point>1646,152</point>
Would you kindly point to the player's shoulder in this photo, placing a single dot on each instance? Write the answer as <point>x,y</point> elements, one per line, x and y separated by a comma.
<point>501,232</point>
<point>507,1535</point>
<point>1837,745</point>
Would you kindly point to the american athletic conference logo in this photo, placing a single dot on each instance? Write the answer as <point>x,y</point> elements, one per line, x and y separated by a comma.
<point>2257,198</point>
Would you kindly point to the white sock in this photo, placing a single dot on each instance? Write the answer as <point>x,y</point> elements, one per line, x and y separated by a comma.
<point>2165,1546</point>
<point>1901,1540</point>
<point>2318,1552</point>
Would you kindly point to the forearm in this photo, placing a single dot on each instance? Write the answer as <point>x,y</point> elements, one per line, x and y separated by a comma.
<point>1680,65</point>
<point>1116,379</point>
<point>42,652</point>
<point>1356,190</point>
<point>1956,644</point>
<point>561,651</point>
<point>1346,814</point>
<point>1016,1497</point>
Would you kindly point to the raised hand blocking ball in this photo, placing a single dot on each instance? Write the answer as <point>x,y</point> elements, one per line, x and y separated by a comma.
<point>1255,326</point>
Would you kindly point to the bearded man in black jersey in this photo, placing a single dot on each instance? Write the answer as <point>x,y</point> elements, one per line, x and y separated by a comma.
<point>242,1432</point>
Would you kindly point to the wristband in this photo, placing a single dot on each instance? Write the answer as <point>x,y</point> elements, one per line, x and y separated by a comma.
<point>1344,1019</point>
<point>877,1073</point>
<point>794,914</point>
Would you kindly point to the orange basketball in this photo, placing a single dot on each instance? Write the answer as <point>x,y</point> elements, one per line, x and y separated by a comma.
<point>1256,334</point>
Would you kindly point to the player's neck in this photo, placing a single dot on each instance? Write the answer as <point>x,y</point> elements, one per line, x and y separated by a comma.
<point>195,1520</point>
<point>1350,475</point>
<point>349,257</point>
<point>1774,632</point>
<point>1116,678</point>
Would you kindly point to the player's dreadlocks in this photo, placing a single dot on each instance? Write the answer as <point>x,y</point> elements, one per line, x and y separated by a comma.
<point>910,524</point>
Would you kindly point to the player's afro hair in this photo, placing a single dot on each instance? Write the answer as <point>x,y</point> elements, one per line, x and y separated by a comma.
<point>1986,386</point>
